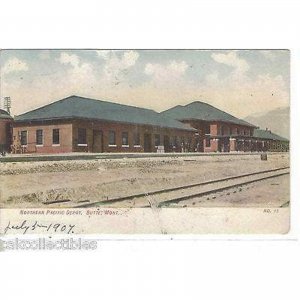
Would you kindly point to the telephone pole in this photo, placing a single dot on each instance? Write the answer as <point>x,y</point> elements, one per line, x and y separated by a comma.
<point>7,104</point>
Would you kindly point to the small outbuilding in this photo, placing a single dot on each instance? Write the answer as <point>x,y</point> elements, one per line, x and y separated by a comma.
<point>6,121</point>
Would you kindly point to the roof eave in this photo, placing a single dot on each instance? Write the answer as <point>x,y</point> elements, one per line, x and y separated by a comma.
<point>217,120</point>
<point>103,120</point>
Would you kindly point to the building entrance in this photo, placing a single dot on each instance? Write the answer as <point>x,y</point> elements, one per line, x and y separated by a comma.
<point>147,142</point>
<point>97,141</point>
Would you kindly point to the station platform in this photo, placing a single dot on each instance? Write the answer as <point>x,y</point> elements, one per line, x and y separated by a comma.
<point>96,156</point>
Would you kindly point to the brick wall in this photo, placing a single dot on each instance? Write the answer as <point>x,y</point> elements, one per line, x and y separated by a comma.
<point>5,134</point>
<point>65,137</point>
<point>214,145</point>
<point>213,129</point>
<point>96,130</point>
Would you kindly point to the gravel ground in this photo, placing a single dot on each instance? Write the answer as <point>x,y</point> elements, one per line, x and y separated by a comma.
<point>272,192</point>
<point>30,184</point>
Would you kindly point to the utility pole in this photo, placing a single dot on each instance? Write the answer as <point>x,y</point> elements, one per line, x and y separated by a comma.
<point>7,104</point>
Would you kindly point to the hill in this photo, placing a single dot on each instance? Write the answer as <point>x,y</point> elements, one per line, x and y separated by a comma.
<point>278,121</point>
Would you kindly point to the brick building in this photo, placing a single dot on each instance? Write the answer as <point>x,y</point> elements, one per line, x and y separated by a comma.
<point>5,130</point>
<point>77,124</point>
<point>218,131</point>
<point>265,140</point>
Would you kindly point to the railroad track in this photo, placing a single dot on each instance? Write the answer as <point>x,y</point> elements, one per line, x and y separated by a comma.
<point>175,195</point>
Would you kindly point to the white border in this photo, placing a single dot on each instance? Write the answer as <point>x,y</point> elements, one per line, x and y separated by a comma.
<point>250,267</point>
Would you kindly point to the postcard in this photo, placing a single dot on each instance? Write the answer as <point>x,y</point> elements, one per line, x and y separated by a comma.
<point>144,141</point>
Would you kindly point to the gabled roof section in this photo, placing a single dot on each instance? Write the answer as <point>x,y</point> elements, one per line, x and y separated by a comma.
<point>4,114</point>
<point>268,135</point>
<point>203,112</point>
<point>75,107</point>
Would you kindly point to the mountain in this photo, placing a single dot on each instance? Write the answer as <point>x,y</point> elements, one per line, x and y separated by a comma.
<point>277,120</point>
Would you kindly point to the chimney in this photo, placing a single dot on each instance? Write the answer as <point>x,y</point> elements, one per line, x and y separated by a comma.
<point>267,129</point>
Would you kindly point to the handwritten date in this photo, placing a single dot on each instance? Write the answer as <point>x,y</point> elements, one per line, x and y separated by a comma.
<point>29,227</point>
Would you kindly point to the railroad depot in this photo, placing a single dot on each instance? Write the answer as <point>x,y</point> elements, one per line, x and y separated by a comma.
<point>77,124</point>
<point>218,131</point>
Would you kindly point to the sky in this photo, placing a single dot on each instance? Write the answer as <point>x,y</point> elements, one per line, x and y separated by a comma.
<point>241,82</point>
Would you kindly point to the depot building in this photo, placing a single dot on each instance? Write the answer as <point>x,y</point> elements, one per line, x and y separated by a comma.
<point>218,131</point>
<point>77,124</point>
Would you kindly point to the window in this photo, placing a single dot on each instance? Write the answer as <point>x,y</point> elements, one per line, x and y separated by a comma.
<point>174,140</point>
<point>125,141</point>
<point>230,131</point>
<point>182,140</point>
<point>55,137</point>
<point>222,130</point>
<point>156,139</point>
<point>24,137</point>
<point>227,130</point>
<point>39,137</point>
<point>81,136</point>
<point>207,129</point>
<point>112,138</point>
<point>136,139</point>
<point>207,142</point>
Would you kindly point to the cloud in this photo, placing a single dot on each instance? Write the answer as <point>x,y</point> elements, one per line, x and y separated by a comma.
<point>167,72</point>
<point>14,65</point>
<point>74,61</point>
<point>161,86</point>
<point>117,66</point>
<point>268,54</point>
<point>129,58</point>
<point>231,59</point>
<point>104,54</point>
<point>246,95</point>
<point>80,73</point>
<point>69,59</point>
<point>44,54</point>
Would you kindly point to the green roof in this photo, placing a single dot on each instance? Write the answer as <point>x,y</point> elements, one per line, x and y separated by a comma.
<point>203,112</point>
<point>268,135</point>
<point>75,107</point>
<point>4,114</point>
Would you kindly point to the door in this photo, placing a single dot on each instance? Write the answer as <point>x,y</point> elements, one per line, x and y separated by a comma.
<point>147,142</point>
<point>167,143</point>
<point>226,145</point>
<point>220,145</point>
<point>97,141</point>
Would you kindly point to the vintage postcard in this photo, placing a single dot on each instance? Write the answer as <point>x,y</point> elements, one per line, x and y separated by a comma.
<point>144,141</point>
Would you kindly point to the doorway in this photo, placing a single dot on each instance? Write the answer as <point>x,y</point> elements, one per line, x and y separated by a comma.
<point>147,142</point>
<point>97,141</point>
<point>167,143</point>
<point>226,145</point>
